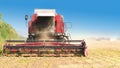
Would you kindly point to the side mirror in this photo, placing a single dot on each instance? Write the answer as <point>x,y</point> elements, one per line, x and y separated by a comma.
<point>26,17</point>
<point>68,25</point>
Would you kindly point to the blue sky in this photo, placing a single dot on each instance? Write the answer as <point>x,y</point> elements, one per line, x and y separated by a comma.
<point>88,17</point>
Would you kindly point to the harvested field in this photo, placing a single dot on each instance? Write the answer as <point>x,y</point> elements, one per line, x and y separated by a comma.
<point>102,54</point>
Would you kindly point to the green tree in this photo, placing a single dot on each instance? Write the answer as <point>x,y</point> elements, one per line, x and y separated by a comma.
<point>0,16</point>
<point>6,32</point>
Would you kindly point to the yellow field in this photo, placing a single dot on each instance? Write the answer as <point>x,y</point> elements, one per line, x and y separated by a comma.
<point>102,54</point>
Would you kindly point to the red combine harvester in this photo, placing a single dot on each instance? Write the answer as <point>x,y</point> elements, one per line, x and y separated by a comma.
<point>46,37</point>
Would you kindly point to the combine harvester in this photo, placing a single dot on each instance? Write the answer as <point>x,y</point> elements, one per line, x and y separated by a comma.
<point>46,37</point>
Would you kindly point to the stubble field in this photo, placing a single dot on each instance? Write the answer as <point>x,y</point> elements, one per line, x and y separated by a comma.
<point>102,54</point>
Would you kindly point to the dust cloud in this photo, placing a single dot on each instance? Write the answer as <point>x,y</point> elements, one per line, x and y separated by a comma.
<point>45,28</point>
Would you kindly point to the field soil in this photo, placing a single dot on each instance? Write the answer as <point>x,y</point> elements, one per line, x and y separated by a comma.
<point>102,54</point>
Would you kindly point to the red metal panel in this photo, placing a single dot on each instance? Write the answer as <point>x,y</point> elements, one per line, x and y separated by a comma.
<point>59,24</point>
<point>31,26</point>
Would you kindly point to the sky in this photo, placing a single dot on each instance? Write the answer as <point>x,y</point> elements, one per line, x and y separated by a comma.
<point>89,18</point>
